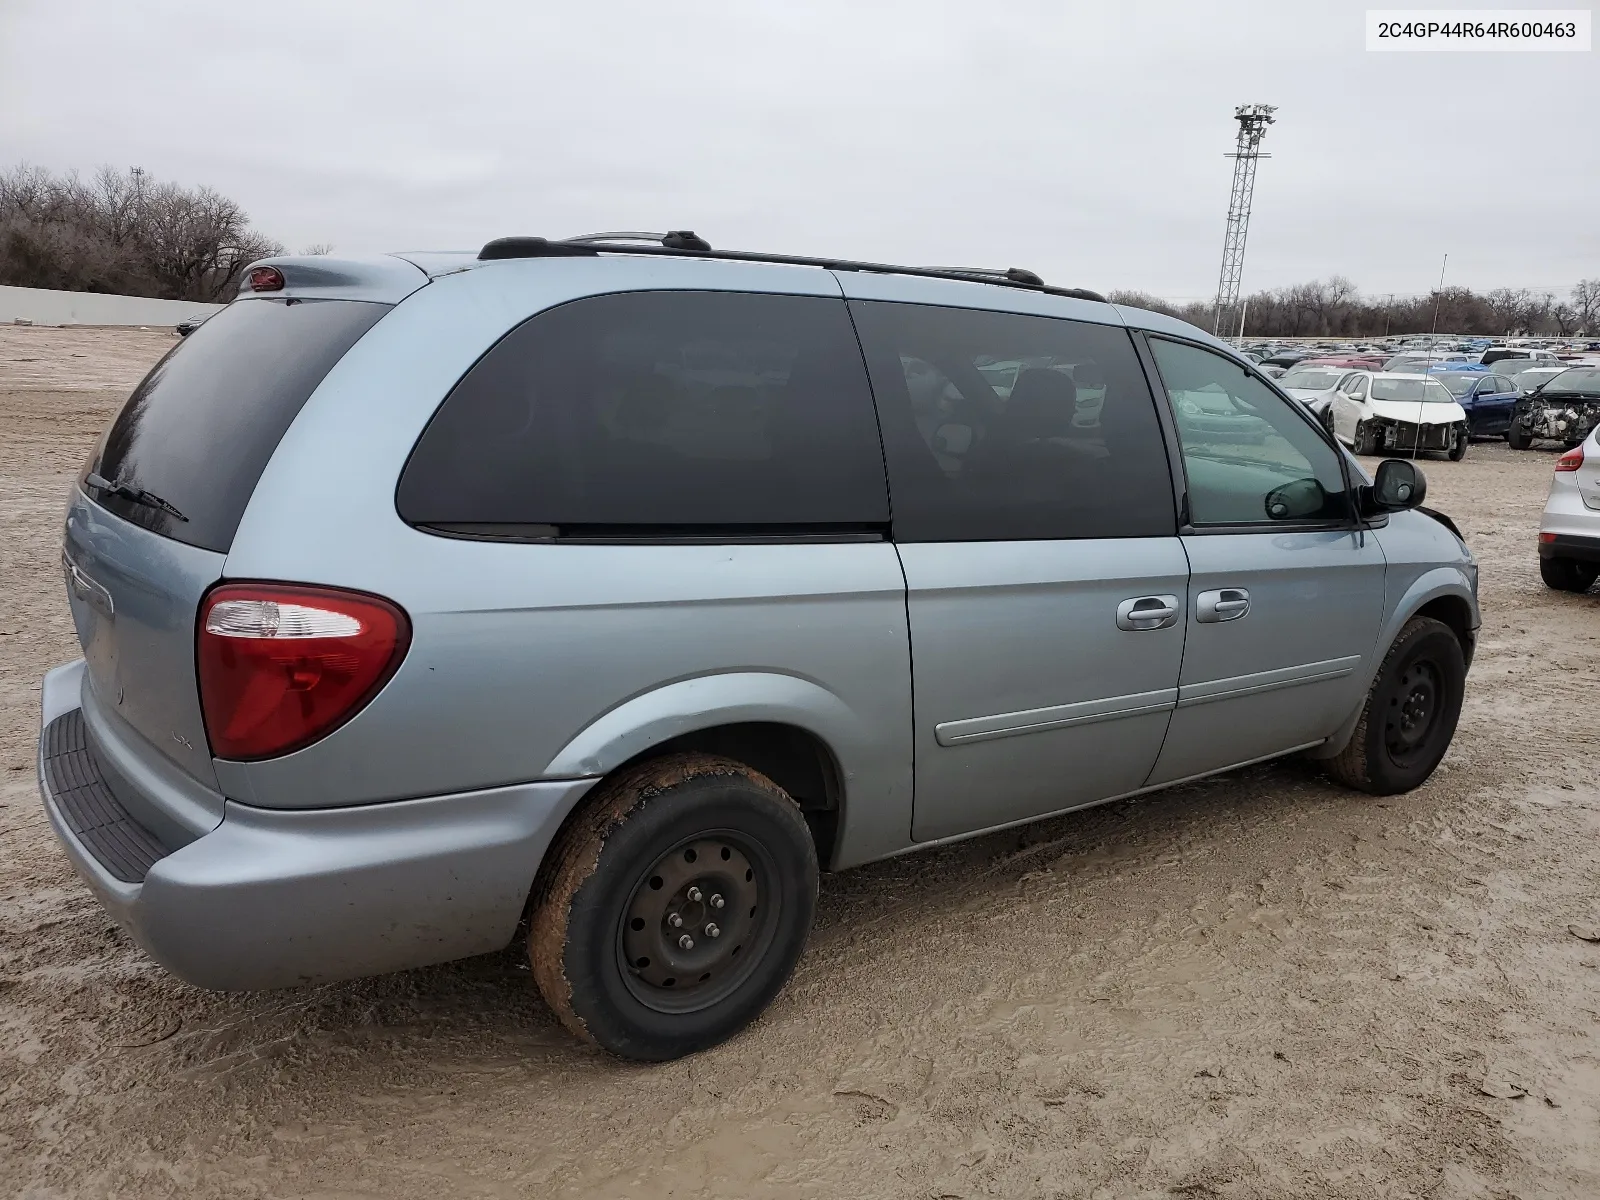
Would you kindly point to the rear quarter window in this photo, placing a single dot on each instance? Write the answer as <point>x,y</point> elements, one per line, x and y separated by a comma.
<point>658,413</point>
<point>200,427</point>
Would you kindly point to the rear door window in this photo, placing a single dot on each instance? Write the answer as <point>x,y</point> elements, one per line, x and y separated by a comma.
<point>1003,427</point>
<point>658,413</point>
<point>198,430</point>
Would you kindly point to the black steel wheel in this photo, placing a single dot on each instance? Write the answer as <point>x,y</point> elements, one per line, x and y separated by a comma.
<point>673,907</point>
<point>693,913</point>
<point>1410,713</point>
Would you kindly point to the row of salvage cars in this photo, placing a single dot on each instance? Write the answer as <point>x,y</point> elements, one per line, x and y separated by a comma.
<point>1444,406</point>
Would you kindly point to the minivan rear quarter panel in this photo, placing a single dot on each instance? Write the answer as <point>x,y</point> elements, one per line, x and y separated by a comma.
<point>518,648</point>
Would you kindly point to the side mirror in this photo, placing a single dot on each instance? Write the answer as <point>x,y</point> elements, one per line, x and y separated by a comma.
<point>1297,501</point>
<point>1398,485</point>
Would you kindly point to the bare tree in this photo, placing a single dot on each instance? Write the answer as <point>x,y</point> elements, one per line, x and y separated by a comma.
<point>123,232</point>
<point>316,249</point>
<point>1586,305</point>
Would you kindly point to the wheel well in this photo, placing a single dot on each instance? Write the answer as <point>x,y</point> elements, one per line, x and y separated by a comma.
<point>1455,613</point>
<point>793,758</point>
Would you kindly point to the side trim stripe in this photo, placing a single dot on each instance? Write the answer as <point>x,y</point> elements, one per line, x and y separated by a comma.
<point>1266,681</point>
<point>1056,716</point>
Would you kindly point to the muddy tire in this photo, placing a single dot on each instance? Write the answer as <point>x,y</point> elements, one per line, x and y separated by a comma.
<point>674,907</point>
<point>1410,714</point>
<point>1567,574</point>
<point>1458,443</point>
<point>1366,439</point>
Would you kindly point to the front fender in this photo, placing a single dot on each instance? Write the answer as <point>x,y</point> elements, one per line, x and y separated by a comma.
<point>1407,597</point>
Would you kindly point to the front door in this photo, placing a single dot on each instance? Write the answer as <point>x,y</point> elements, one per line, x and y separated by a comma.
<point>1286,596</point>
<point>1046,586</point>
<point>1492,402</point>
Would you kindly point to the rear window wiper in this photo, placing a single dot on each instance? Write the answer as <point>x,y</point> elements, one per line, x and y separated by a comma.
<point>137,495</point>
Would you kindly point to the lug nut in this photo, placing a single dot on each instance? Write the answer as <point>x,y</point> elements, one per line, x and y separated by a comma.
<point>694,893</point>
<point>675,921</point>
<point>712,930</point>
<point>717,902</point>
<point>686,942</point>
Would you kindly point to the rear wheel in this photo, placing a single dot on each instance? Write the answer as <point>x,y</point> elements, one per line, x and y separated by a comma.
<point>1567,574</point>
<point>1410,714</point>
<point>674,908</point>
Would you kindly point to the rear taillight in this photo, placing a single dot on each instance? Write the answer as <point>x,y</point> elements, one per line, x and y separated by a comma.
<point>1571,460</point>
<point>282,665</point>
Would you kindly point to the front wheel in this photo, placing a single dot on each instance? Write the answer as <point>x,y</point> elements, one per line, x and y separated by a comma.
<point>1518,435</point>
<point>1410,714</point>
<point>1458,443</point>
<point>1366,439</point>
<point>1568,574</point>
<point>674,907</point>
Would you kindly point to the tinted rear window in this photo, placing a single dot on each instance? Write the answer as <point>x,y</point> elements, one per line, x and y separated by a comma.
<point>1003,427</point>
<point>200,427</point>
<point>658,413</point>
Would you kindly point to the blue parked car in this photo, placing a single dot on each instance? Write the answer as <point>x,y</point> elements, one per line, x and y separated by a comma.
<point>1487,398</point>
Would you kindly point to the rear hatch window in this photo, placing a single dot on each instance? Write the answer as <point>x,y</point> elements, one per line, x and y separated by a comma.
<point>199,429</point>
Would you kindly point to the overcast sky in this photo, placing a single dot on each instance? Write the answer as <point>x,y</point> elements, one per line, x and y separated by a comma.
<point>1082,140</point>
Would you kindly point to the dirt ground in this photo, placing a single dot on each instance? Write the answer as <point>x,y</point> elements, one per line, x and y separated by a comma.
<point>1258,986</point>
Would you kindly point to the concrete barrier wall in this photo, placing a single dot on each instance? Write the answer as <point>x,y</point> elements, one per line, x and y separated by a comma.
<point>43,307</point>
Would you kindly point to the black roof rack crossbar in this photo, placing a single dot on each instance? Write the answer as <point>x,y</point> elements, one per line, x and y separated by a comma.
<point>684,244</point>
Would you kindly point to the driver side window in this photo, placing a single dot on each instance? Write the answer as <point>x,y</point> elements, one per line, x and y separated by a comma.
<point>1249,458</point>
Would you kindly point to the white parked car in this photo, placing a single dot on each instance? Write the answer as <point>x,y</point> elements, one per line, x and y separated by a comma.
<point>1314,386</point>
<point>1496,354</point>
<point>1385,412</point>
<point>1569,533</point>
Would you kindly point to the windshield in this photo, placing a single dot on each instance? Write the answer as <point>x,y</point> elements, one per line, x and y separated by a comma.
<point>1459,382</point>
<point>1416,391</point>
<point>1516,366</point>
<point>1579,379</point>
<point>1314,379</point>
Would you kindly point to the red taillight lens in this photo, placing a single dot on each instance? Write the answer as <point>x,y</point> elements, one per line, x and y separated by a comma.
<point>283,665</point>
<point>266,279</point>
<point>1571,460</point>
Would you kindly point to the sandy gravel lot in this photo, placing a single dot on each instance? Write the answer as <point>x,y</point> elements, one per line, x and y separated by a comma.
<point>1261,986</point>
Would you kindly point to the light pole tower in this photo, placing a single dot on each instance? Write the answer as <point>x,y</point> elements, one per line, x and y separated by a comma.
<point>1253,121</point>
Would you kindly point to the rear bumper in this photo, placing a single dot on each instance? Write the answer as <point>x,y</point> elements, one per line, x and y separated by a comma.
<point>274,898</point>
<point>1570,545</point>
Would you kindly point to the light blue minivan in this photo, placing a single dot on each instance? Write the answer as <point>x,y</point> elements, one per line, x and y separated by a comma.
<point>613,587</point>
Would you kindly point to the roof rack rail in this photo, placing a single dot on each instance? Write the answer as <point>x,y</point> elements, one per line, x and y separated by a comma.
<point>677,239</point>
<point>685,243</point>
<point>1015,274</point>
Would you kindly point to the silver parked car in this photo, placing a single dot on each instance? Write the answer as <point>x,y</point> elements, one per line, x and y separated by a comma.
<point>1569,533</point>
<point>617,587</point>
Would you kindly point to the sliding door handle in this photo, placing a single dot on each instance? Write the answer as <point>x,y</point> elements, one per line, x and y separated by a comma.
<point>1223,604</point>
<point>1147,612</point>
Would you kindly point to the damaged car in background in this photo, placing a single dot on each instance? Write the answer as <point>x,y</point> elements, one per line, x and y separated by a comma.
<point>1564,409</point>
<point>1399,413</point>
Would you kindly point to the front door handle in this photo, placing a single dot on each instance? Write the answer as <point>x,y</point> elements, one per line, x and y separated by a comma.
<point>1223,604</point>
<point>1147,612</point>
